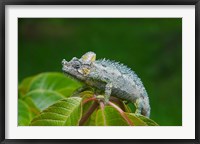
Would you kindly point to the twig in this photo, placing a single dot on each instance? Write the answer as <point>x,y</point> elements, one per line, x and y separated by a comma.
<point>88,113</point>
<point>121,113</point>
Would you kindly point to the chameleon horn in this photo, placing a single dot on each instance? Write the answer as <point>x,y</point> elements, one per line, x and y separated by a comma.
<point>88,57</point>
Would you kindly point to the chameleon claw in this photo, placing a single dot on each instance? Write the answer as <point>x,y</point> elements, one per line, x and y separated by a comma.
<point>102,99</point>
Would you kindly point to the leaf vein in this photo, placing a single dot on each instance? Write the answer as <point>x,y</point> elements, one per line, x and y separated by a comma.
<point>55,113</point>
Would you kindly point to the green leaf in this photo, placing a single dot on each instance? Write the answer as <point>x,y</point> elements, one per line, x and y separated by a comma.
<point>86,106</point>
<point>25,85</point>
<point>127,108</point>
<point>19,95</point>
<point>24,114</point>
<point>56,82</point>
<point>66,112</point>
<point>67,92</point>
<point>131,106</point>
<point>148,121</point>
<point>42,99</point>
<point>91,119</point>
<point>85,95</point>
<point>32,106</point>
<point>109,117</point>
<point>136,121</point>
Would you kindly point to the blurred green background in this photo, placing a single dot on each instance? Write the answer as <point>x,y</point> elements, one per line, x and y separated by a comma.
<point>152,47</point>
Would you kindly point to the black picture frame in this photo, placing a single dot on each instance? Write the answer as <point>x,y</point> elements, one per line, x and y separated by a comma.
<point>4,3</point>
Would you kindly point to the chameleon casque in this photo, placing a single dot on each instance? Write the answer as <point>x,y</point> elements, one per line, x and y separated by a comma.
<point>110,77</point>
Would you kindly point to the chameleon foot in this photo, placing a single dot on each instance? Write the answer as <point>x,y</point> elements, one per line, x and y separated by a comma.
<point>100,98</point>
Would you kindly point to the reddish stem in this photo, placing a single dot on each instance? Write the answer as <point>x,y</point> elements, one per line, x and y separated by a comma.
<point>121,113</point>
<point>118,102</point>
<point>102,105</point>
<point>88,113</point>
<point>89,99</point>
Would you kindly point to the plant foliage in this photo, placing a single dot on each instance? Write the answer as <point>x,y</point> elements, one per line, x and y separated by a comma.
<point>50,99</point>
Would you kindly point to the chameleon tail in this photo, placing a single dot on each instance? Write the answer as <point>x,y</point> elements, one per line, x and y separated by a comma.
<point>142,106</point>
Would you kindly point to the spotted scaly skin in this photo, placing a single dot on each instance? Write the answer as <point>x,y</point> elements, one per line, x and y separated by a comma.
<point>110,77</point>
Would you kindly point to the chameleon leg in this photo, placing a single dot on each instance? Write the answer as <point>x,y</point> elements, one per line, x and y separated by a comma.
<point>108,91</point>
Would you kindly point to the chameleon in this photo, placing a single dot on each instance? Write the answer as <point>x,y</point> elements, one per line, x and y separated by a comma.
<point>110,77</point>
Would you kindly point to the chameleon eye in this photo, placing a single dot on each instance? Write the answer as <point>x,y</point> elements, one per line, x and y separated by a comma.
<point>76,65</point>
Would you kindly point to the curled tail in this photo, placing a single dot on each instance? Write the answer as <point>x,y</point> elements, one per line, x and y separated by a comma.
<point>142,106</point>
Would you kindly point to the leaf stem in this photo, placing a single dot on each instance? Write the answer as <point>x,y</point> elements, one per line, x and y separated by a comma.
<point>121,113</point>
<point>88,113</point>
<point>89,99</point>
<point>118,102</point>
<point>102,105</point>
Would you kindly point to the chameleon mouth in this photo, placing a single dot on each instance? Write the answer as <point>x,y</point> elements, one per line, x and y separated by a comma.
<point>65,63</point>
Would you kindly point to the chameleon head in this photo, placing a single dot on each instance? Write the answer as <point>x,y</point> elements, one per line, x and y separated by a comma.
<point>79,68</point>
